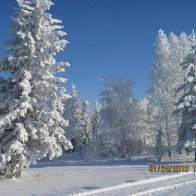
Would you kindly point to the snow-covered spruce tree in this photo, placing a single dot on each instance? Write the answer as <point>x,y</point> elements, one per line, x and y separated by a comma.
<point>86,131</point>
<point>167,76</point>
<point>85,137</point>
<point>187,105</point>
<point>93,145</point>
<point>31,122</point>
<point>96,119</point>
<point>74,114</point>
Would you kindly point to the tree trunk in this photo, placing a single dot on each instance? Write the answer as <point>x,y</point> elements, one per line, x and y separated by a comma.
<point>123,150</point>
<point>195,156</point>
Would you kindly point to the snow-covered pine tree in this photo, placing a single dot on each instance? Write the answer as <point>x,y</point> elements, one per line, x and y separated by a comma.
<point>187,105</point>
<point>31,122</point>
<point>74,114</point>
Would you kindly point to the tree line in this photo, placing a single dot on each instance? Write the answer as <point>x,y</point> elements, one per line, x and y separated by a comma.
<point>163,120</point>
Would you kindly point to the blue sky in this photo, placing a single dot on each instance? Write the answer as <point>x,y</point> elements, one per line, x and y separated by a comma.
<point>111,37</point>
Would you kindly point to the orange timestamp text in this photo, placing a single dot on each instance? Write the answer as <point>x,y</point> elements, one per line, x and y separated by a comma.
<point>172,168</point>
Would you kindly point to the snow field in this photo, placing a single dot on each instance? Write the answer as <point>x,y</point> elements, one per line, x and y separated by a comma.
<point>125,188</point>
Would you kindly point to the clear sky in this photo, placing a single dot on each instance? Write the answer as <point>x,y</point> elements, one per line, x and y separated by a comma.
<point>111,37</point>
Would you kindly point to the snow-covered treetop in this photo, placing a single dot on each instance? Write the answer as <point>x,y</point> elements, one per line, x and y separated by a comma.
<point>41,4</point>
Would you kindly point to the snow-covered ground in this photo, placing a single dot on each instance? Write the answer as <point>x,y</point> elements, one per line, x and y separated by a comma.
<point>68,176</point>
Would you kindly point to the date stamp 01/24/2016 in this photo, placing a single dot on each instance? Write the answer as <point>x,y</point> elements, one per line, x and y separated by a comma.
<point>172,168</point>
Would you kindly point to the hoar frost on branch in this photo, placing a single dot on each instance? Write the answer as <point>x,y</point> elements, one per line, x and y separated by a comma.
<point>31,122</point>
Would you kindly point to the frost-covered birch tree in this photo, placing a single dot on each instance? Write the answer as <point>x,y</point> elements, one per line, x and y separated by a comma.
<point>161,86</point>
<point>118,114</point>
<point>167,76</point>
<point>31,121</point>
<point>145,122</point>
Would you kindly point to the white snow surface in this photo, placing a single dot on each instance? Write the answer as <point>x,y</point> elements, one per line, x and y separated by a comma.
<point>68,176</point>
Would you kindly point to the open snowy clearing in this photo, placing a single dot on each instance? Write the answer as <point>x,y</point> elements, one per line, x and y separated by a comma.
<point>134,188</point>
<point>75,177</point>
